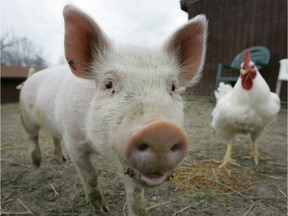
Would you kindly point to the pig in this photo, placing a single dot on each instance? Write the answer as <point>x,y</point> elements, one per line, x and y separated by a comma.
<point>117,101</point>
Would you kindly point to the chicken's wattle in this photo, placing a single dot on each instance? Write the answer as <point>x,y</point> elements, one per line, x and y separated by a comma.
<point>247,80</point>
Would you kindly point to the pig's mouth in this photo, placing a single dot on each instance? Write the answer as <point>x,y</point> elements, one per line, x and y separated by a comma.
<point>152,179</point>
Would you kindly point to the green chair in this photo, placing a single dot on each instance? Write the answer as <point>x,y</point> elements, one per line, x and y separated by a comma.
<point>260,56</point>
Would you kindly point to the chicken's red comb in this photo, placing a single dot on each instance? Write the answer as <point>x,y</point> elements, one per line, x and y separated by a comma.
<point>247,59</point>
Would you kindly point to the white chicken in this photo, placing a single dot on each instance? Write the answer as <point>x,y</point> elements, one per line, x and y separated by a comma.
<point>247,108</point>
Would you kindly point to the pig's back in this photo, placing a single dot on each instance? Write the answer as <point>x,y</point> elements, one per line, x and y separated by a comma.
<point>55,95</point>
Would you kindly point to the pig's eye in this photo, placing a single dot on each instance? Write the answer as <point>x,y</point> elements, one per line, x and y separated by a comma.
<point>173,87</point>
<point>109,85</point>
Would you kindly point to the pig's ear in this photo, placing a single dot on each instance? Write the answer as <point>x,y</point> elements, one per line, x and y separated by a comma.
<point>84,41</point>
<point>188,45</point>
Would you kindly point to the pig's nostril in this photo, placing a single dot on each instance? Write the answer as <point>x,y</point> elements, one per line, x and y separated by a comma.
<point>143,147</point>
<point>175,147</point>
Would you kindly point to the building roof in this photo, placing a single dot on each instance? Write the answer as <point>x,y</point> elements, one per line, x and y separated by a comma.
<point>16,71</point>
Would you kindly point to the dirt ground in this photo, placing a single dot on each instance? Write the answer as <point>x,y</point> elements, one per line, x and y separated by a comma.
<point>198,187</point>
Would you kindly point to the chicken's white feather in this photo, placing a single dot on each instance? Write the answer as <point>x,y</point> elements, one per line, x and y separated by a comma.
<point>222,90</point>
<point>244,111</point>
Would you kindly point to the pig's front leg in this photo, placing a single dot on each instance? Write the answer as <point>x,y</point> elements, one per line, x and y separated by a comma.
<point>58,150</point>
<point>82,159</point>
<point>135,198</point>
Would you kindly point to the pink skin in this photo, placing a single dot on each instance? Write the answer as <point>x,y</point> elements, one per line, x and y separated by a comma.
<point>155,150</point>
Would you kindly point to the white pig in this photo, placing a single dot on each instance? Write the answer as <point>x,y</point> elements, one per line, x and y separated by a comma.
<point>117,101</point>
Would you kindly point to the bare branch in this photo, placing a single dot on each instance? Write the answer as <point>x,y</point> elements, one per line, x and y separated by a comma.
<point>20,51</point>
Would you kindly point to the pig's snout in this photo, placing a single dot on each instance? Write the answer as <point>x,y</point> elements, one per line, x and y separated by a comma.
<point>156,149</point>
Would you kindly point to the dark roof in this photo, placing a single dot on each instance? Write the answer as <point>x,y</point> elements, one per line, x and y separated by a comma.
<point>16,71</point>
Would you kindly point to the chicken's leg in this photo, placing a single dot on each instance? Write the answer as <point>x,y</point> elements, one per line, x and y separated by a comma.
<point>255,153</point>
<point>227,158</point>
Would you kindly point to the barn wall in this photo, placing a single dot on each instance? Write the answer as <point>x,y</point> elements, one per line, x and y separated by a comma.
<point>9,93</point>
<point>11,76</point>
<point>235,25</point>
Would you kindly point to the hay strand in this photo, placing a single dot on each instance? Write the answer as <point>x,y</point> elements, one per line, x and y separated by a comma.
<point>25,206</point>
<point>156,206</point>
<point>53,188</point>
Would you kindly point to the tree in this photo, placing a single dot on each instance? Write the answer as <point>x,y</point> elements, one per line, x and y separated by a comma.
<point>20,51</point>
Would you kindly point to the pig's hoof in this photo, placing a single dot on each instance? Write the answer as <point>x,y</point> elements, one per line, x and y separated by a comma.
<point>36,165</point>
<point>36,160</point>
<point>61,158</point>
<point>98,208</point>
<point>105,208</point>
<point>98,203</point>
<point>64,158</point>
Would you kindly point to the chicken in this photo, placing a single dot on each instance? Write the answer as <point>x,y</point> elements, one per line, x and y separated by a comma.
<point>245,109</point>
<point>30,73</point>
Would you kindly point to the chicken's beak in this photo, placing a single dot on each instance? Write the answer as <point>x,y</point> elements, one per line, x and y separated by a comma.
<point>246,62</point>
<point>244,72</point>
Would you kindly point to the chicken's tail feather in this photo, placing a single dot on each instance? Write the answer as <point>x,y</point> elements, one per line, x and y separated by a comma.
<point>222,90</point>
<point>30,73</point>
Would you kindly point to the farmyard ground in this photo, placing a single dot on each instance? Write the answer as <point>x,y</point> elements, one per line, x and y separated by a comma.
<point>197,188</point>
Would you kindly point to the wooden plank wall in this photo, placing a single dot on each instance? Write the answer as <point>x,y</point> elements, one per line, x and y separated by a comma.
<point>9,93</point>
<point>11,76</point>
<point>235,25</point>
